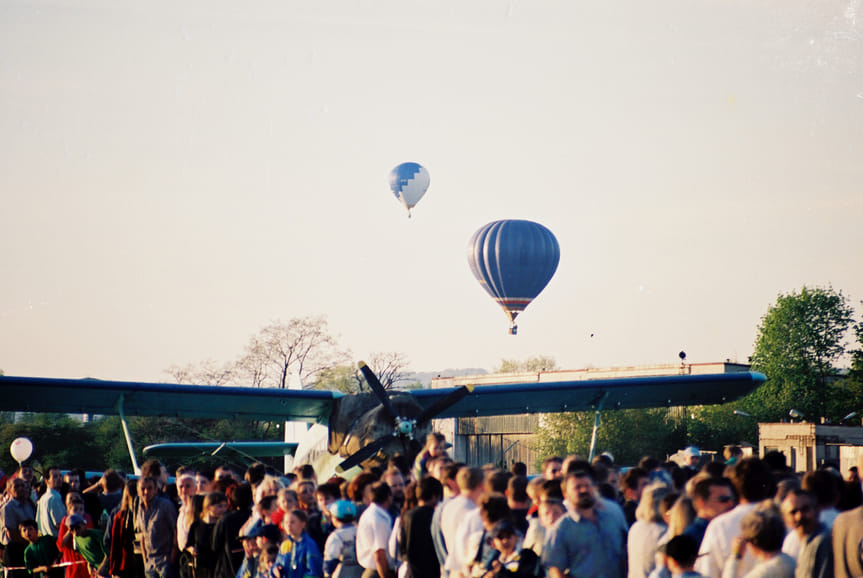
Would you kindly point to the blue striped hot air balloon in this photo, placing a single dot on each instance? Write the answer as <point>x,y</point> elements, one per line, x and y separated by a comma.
<point>409,182</point>
<point>513,260</point>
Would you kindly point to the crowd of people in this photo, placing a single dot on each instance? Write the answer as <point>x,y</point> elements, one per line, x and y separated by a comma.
<point>437,518</point>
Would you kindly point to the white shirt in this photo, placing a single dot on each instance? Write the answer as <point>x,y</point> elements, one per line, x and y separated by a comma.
<point>716,546</point>
<point>451,517</point>
<point>471,524</point>
<point>49,513</point>
<point>373,533</point>
<point>642,542</point>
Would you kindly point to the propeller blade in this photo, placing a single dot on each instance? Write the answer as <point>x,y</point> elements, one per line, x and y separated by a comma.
<point>362,455</point>
<point>378,388</point>
<point>442,404</point>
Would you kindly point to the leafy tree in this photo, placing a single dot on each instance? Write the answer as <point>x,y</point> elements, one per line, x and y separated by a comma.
<point>537,363</point>
<point>344,378</point>
<point>629,434</point>
<point>799,341</point>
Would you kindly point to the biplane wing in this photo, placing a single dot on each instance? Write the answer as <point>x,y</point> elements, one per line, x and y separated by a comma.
<point>368,426</point>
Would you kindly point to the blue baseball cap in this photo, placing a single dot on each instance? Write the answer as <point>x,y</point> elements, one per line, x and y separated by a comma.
<point>343,510</point>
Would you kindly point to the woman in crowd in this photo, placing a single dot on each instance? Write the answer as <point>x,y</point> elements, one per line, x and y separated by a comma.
<point>122,560</point>
<point>200,543</point>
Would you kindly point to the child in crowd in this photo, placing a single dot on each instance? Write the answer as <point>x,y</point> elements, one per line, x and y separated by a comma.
<point>266,560</point>
<point>249,567</point>
<point>65,539</point>
<point>340,552</point>
<point>511,560</point>
<point>41,553</point>
<point>88,542</point>
<point>303,560</point>
<point>287,500</point>
<point>680,555</point>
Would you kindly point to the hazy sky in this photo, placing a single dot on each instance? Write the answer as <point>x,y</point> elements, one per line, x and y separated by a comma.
<point>174,175</point>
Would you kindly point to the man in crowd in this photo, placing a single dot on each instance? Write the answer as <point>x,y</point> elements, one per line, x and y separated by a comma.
<point>416,546</point>
<point>711,497</point>
<point>394,479</point>
<point>633,483</point>
<point>815,557</point>
<point>157,520</point>
<point>754,482</point>
<point>848,542</point>
<point>590,541</point>
<point>50,509</point>
<point>552,468</point>
<point>373,533</point>
<point>470,484</point>
<point>19,508</point>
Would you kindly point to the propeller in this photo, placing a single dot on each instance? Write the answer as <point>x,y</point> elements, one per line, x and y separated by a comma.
<point>404,428</point>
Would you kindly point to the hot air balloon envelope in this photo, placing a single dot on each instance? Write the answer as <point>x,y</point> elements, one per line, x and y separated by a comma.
<point>513,260</point>
<point>409,182</point>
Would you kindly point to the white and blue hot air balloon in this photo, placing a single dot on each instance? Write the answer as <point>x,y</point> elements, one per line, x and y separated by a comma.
<point>409,182</point>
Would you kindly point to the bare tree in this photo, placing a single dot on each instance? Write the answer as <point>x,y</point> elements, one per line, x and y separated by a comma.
<point>302,345</point>
<point>389,367</point>
<point>207,372</point>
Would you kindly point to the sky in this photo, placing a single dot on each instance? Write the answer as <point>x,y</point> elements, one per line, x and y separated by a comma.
<point>176,175</point>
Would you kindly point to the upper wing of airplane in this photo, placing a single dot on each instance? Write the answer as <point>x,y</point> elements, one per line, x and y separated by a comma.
<point>621,393</point>
<point>33,394</point>
<point>47,395</point>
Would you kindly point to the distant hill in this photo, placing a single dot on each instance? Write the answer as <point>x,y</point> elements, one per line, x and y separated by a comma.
<point>425,377</point>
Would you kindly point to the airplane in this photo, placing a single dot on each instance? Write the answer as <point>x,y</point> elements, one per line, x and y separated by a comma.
<point>351,431</point>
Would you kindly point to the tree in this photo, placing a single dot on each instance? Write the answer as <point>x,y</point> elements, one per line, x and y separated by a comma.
<point>531,364</point>
<point>343,378</point>
<point>629,434</point>
<point>799,341</point>
<point>389,367</point>
<point>207,372</point>
<point>302,345</point>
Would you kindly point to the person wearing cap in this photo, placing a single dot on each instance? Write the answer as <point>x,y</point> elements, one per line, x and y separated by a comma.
<point>511,560</point>
<point>249,566</point>
<point>340,550</point>
<point>88,541</point>
<point>691,462</point>
<point>66,540</point>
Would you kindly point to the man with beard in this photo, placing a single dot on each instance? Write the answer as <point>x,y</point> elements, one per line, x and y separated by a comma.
<point>394,479</point>
<point>815,559</point>
<point>588,542</point>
